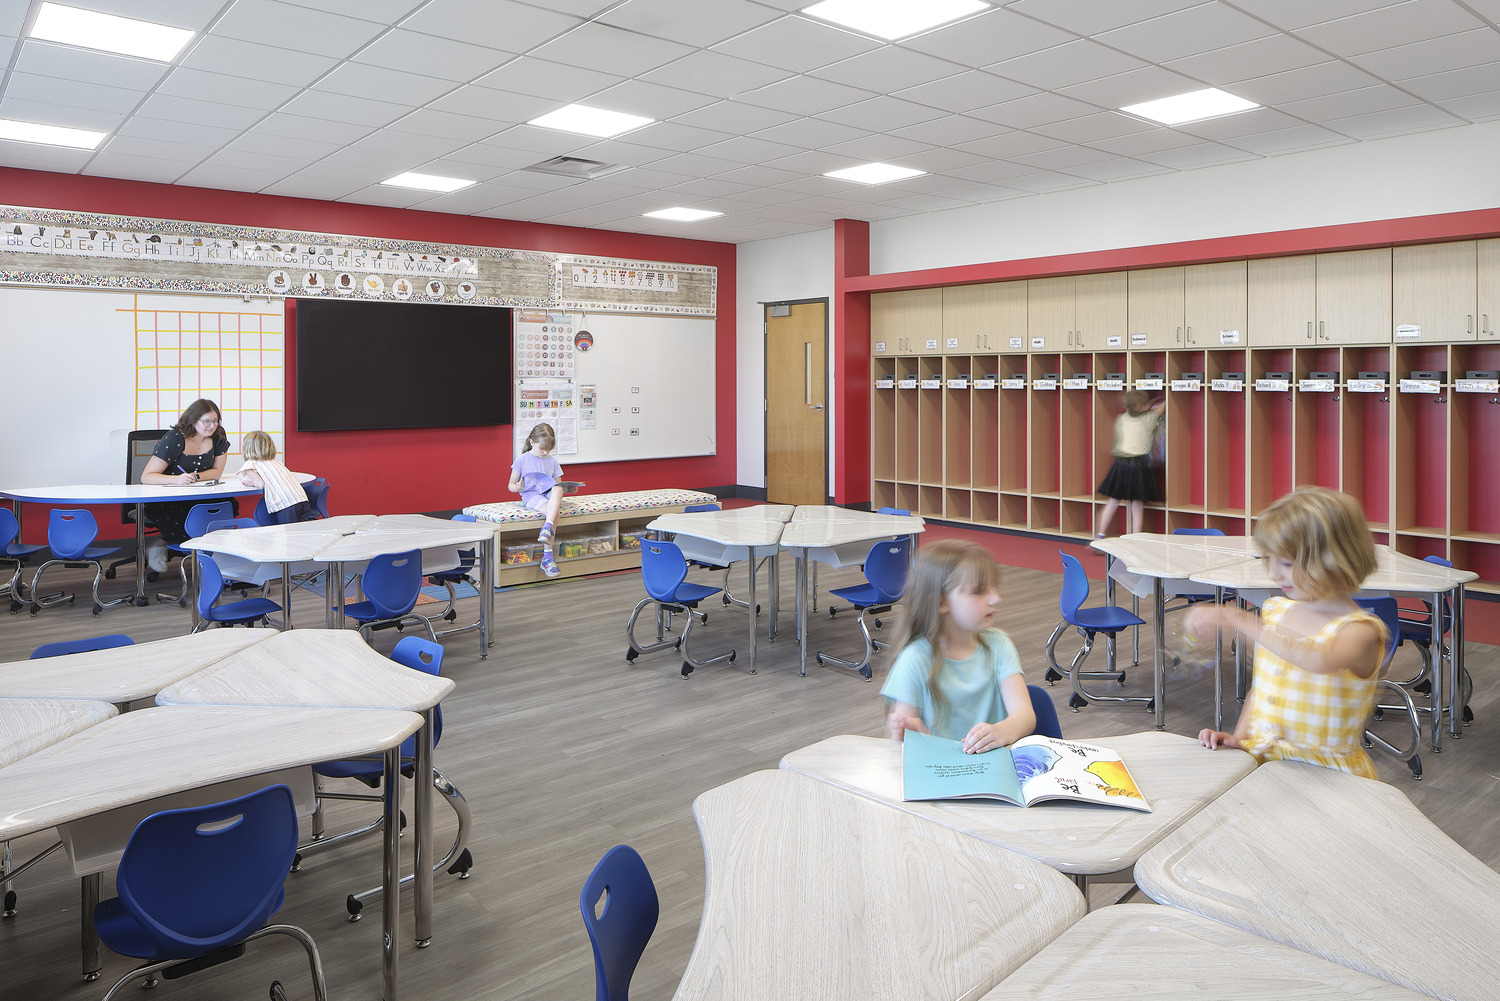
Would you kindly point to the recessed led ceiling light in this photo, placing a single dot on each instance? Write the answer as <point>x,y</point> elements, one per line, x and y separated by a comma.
<point>427,182</point>
<point>1198,105</point>
<point>874,173</point>
<point>588,121</point>
<point>49,135</point>
<point>681,214</point>
<point>90,29</point>
<point>893,19</point>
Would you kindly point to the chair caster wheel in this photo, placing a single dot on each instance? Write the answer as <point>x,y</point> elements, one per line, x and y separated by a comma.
<point>450,617</point>
<point>1077,702</point>
<point>726,601</point>
<point>10,904</point>
<point>353,907</point>
<point>72,599</point>
<point>16,606</point>
<point>109,574</point>
<point>832,612</point>
<point>1468,716</point>
<point>732,655</point>
<point>278,993</point>
<point>1121,682</point>
<point>678,644</point>
<point>879,624</point>
<point>97,610</point>
<point>1151,706</point>
<point>89,978</point>
<point>153,576</point>
<point>631,655</point>
<point>1424,687</point>
<point>1378,717</point>
<point>1051,677</point>
<point>297,862</point>
<point>462,865</point>
<point>142,602</point>
<point>866,673</point>
<point>687,669</point>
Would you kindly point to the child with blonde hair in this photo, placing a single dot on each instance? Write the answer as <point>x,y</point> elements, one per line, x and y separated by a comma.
<point>286,500</point>
<point>1131,477</point>
<point>535,475</point>
<point>1318,654</point>
<point>956,675</point>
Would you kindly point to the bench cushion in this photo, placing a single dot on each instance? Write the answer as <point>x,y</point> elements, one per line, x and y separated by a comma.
<point>505,512</point>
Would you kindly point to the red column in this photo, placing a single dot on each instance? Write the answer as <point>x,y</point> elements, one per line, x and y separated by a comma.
<point>851,348</point>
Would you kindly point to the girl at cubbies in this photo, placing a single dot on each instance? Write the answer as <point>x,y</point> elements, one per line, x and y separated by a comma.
<point>535,475</point>
<point>1318,654</point>
<point>956,675</point>
<point>1131,478</point>
<point>286,500</point>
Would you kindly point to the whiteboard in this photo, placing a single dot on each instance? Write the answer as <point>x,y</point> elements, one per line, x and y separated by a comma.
<point>86,366</point>
<point>652,381</point>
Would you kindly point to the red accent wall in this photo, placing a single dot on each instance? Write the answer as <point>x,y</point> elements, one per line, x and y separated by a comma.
<point>851,346</point>
<point>381,472</point>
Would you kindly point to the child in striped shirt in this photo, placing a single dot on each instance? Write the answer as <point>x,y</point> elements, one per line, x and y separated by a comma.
<point>286,501</point>
<point>1318,654</point>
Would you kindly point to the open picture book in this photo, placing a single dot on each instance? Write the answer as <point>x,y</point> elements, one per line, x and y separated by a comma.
<point>1032,770</point>
<point>543,483</point>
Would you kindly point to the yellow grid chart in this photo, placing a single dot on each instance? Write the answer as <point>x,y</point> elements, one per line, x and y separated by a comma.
<point>187,347</point>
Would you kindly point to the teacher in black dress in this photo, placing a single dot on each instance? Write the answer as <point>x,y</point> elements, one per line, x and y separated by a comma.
<point>195,449</point>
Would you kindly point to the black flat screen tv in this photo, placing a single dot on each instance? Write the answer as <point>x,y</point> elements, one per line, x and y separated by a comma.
<point>371,365</point>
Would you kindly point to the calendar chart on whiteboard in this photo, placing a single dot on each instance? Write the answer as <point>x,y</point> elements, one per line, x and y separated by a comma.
<point>615,386</point>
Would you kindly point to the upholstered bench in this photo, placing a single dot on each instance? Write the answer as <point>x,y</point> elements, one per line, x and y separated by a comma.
<point>595,532</point>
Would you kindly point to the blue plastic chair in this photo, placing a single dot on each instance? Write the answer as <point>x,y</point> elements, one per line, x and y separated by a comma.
<point>199,517</point>
<point>70,534</point>
<point>231,524</point>
<point>620,908</point>
<point>1388,613</point>
<point>1047,723</point>
<point>211,586</point>
<point>729,599</point>
<point>1109,620</point>
<point>317,497</point>
<point>419,655</point>
<point>459,574</point>
<point>886,570</point>
<point>664,572</point>
<point>260,515</point>
<point>834,609</point>
<point>1416,627</point>
<point>16,552</point>
<point>200,881</point>
<point>81,646</point>
<point>391,585</point>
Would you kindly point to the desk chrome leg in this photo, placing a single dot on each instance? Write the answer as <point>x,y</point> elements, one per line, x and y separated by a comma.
<point>337,571</point>
<point>802,607</point>
<point>89,887</point>
<point>774,626</point>
<point>422,805</point>
<point>1456,666</point>
<point>1218,667</point>
<point>286,596</point>
<point>140,555</point>
<point>751,610</point>
<point>1438,681</point>
<point>486,595</point>
<point>390,901</point>
<point>1159,705</point>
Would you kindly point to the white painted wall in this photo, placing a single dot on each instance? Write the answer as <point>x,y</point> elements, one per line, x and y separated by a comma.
<point>1450,170</point>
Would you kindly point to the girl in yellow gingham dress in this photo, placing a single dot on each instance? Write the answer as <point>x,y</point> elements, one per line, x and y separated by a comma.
<point>1318,654</point>
<point>1295,715</point>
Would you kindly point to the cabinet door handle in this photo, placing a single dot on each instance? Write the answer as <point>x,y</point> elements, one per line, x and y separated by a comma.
<point>1179,335</point>
<point>1079,338</point>
<point>1190,334</point>
<point>1469,323</point>
<point>1484,323</point>
<point>1321,335</point>
<point>1309,330</point>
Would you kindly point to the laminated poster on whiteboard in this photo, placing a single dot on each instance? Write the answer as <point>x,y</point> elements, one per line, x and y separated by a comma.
<point>544,344</point>
<point>552,401</point>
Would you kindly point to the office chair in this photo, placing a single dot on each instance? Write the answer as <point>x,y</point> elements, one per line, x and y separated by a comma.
<point>138,446</point>
<point>70,533</point>
<point>886,570</point>
<point>419,655</point>
<point>1047,723</point>
<point>211,586</point>
<point>460,573</point>
<point>51,650</point>
<point>199,517</point>
<point>1107,619</point>
<point>14,551</point>
<point>620,908</point>
<point>196,884</point>
<point>1385,609</point>
<point>392,582</point>
<point>664,572</point>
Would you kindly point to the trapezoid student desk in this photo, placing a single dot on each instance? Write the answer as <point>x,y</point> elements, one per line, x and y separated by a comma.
<point>139,494</point>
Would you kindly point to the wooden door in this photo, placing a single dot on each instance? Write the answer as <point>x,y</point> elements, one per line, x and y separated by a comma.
<point>796,398</point>
<point>1354,297</point>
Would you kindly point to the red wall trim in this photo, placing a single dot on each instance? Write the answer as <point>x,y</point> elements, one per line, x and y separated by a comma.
<point>851,345</point>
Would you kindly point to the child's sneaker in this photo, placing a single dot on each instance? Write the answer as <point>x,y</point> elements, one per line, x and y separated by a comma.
<point>549,565</point>
<point>156,556</point>
<point>545,535</point>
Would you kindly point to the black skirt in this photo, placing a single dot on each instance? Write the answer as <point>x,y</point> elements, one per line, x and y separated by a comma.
<point>1131,478</point>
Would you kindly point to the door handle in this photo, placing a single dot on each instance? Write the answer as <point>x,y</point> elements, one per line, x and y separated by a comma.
<point>807,376</point>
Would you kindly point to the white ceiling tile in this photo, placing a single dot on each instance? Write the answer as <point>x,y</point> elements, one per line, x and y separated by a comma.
<point>183,109</point>
<point>715,73</point>
<point>1353,102</point>
<point>204,86</point>
<point>612,50</point>
<point>379,164</point>
<point>227,177</point>
<point>1118,169</point>
<point>316,129</point>
<point>749,149</point>
<point>321,188</point>
<point>1049,180</point>
<point>157,149</point>
<point>888,68</point>
<point>1192,30</point>
<point>1300,84</point>
<point>701,187</point>
<point>691,22</point>
<point>499,106</point>
<point>452,166</point>
<point>965,91</point>
<point>948,131</point>
<point>443,124</point>
<point>57,114</point>
<point>191,14</point>
<point>31,156</point>
<point>1011,144</point>
<point>1480,47</point>
<point>675,137</point>
<point>941,161</point>
<point>343,108</point>
<point>371,10</point>
<point>1064,158</point>
<point>304,150</point>
<point>811,133</point>
<point>1196,155</point>
<point>1151,141</point>
<point>988,37</point>
<point>813,164</point>
<point>378,84</point>
<point>1475,108</point>
<point>1443,87</point>
<point>650,100</point>
<point>882,113</point>
<point>736,117</point>
<point>493,158</point>
<point>798,44</point>
<point>285,25</point>
<point>1039,109</point>
<point>805,95</point>
<point>1065,65</point>
<point>545,141</point>
<point>1132,87</point>
<point>388,196</point>
<point>52,90</point>
<point>544,78</point>
<point>13,19</point>
<point>1089,17</point>
<point>412,147</point>
<point>1229,128</point>
<point>1092,128</point>
<point>428,55</point>
<point>87,66</point>
<point>1262,57</point>
<point>1289,140</point>
<point>1393,122</point>
<point>471,200</point>
<point>1368,30</point>
<point>626,154</point>
<point>510,25</point>
<point>188,133</point>
<point>1290,15</point>
<point>696,163</point>
<point>281,166</point>
<point>136,168</point>
<point>761,176</point>
<point>881,149</point>
<point>254,61</point>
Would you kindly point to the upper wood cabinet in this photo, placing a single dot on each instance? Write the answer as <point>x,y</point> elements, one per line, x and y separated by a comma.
<point>1049,314</point>
<point>1076,312</point>
<point>984,318</point>
<point>1488,259</point>
<point>906,323</point>
<point>1156,308</point>
<point>1342,298</point>
<point>1214,305</point>
<point>1434,292</point>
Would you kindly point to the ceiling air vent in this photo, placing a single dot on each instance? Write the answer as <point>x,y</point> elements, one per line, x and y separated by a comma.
<point>575,167</point>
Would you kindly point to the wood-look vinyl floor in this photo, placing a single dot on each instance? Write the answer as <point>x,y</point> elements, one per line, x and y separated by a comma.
<point>564,750</point>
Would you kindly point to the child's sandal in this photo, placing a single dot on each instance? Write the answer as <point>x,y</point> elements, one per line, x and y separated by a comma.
<point>549,565</point>
<point>545,535</point>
